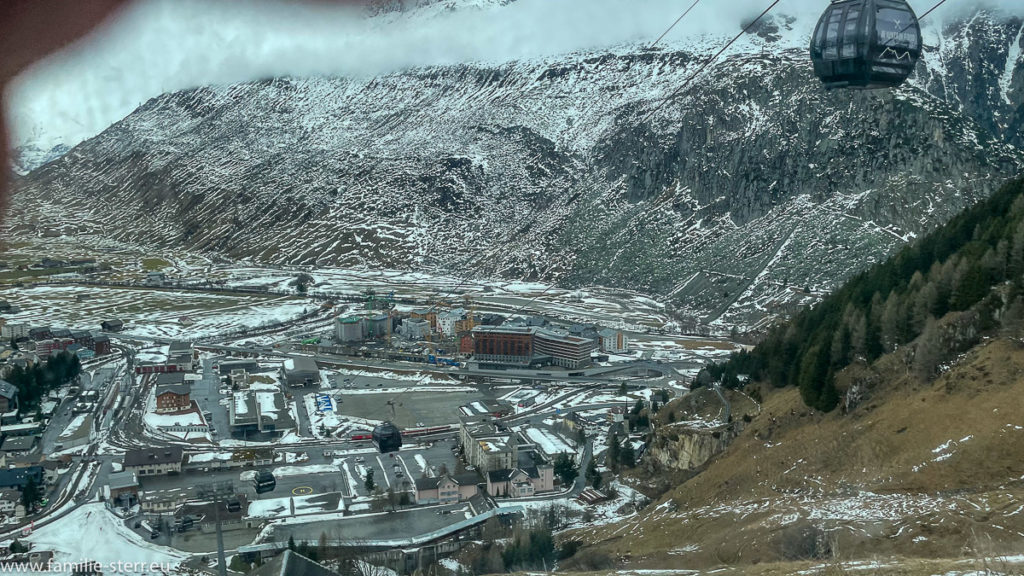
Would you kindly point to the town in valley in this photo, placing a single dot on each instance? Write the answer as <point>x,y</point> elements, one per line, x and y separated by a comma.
<point>394,414</point>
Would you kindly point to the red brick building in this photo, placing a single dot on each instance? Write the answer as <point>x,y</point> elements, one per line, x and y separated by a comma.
<point>503,344</point>
<point>101,345</point>
<point>172,393</point>
<point>156,368</point>
<point>466,342</point>
<point>172,398</point>
<point>47,348</point>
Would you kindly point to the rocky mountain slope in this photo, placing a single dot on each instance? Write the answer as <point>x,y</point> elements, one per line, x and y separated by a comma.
<point>729,200</point>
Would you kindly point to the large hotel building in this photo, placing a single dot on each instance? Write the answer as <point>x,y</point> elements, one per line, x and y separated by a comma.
<point>529,346</point>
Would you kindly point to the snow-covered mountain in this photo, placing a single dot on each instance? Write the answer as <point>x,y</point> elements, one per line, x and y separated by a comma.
<point>30,156</point>
<point>731,198</point>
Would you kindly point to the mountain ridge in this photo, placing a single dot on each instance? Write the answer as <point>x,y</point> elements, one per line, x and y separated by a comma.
<point>729,201</point>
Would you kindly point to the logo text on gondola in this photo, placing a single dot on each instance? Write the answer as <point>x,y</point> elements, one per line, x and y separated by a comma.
<point>908,37</point>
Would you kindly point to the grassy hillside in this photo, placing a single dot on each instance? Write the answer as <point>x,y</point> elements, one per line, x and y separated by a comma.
<point>917,471</point>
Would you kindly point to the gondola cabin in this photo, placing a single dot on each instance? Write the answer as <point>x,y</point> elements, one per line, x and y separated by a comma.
<point>264,481</point>
<point>387,437</point>
<point>866,44</point>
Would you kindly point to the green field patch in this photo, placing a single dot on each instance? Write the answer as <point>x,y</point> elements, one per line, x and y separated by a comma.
<point>154,264</point>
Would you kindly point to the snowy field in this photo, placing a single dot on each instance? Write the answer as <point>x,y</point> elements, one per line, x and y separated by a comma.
<point>609,307</point>
<point>148,313</point>
<point>293,506</point>
<point>109,542</point>
<point>572,510</point>
<point>549,442</point>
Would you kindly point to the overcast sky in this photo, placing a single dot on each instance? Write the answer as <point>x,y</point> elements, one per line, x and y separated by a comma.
<point>156,46</point>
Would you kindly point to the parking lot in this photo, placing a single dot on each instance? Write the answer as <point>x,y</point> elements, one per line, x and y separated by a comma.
<point>411,409</point>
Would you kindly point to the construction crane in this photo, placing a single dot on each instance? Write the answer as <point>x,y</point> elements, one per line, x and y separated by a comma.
<point>391,310</point>
<point>469,303</point>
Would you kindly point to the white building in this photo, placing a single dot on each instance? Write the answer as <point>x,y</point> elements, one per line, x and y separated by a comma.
<point>10,500</point>
<point>446,320</point>
<point>613,341</point>
<point>14,330</point>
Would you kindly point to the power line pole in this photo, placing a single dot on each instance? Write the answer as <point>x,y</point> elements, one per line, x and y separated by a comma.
<point>217,492</point>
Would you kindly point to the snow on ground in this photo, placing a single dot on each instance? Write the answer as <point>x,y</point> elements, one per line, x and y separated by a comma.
<point>73,427</point>
<point>393,390</point>
<point>283,471</point>
<point>335,424</point>
<point>109,542</point>
<point>360,471</point>
<point>367,569</point>
<point>327,420</point>
<point>281,507</point>
<point>151,313</point>
<point>157,354</point>
<point>292,457</point>
<point>325,381</point>
<point>422,463</point>
<point>602,513</point>
<point>518,395</point>
<point>422,381</point>
<point>210,457</point>
<point>549,442</point>
<point>453,565</point>
<point>346,470</point>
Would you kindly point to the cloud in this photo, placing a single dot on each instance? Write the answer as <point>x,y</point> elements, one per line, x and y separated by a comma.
<point>158,46</point>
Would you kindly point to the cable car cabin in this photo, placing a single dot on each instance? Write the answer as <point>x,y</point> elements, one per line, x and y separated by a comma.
<point>866,44</point>
<point>387,437</point>
<point>264,482</point>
